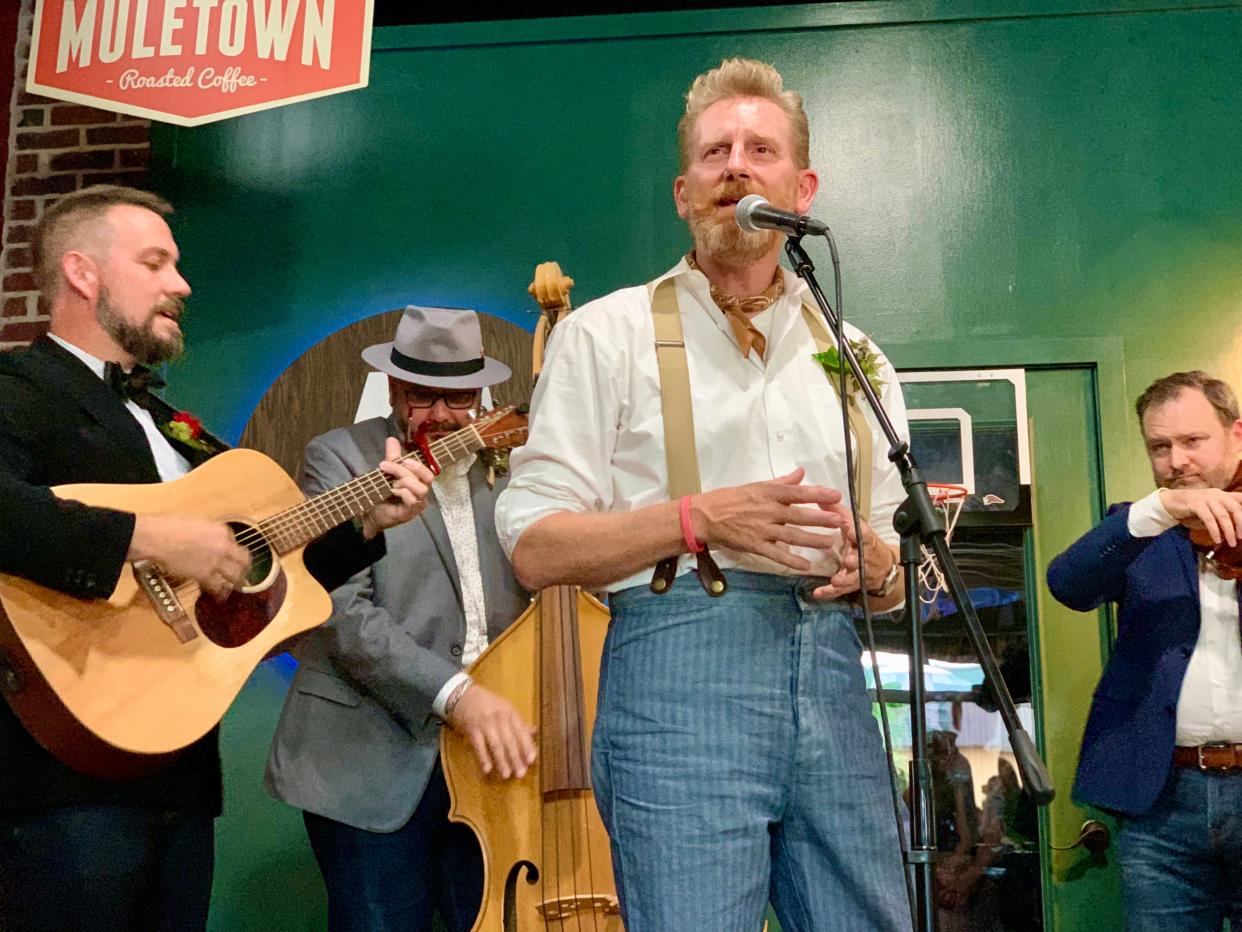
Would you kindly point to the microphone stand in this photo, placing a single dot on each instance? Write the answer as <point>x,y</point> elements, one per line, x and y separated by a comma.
<point>920,525</point>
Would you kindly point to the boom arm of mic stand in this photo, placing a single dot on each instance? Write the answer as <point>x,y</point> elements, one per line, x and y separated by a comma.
<point>930,530</point>
<point>1034,774</point>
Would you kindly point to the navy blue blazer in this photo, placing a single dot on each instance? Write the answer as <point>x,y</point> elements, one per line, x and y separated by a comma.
<point>1127,747</point>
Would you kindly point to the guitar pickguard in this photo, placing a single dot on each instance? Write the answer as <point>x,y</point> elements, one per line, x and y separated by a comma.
<point>243,616</point>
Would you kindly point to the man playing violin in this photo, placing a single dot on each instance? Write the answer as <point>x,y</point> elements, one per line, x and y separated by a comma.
<point>1163,743</point>
<point>735,758</point>
<point>357,745</point>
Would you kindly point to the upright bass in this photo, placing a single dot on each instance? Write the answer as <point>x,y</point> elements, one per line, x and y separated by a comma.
<point>546,861</point>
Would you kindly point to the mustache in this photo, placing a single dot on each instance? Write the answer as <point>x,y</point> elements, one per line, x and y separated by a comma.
<point>415,438</point>
<point>171,305</point>
<point>733,190</point>
<point>432,427</point>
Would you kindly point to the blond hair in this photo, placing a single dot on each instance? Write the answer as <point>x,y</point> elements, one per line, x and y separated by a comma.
<point>744,77</point>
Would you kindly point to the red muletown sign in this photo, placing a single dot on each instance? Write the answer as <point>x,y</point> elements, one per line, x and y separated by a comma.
<point>194,61</point>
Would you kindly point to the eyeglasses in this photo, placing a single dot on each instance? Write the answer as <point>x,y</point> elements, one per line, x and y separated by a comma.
<point>456,399</point>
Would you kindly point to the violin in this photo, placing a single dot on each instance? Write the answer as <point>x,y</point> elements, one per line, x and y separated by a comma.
<point>1223,560</point>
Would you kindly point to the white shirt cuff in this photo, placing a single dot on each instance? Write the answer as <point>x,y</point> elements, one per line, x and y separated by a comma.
<point>1148,517</point>
<point>438,704</point>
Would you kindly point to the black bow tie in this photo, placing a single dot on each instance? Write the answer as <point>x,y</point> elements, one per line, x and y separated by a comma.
<point>134,385</point>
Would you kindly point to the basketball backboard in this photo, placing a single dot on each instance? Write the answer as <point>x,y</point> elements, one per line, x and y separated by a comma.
<point>969,427</point>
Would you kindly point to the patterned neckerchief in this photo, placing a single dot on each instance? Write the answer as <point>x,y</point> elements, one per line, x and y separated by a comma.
<point>739,310</point>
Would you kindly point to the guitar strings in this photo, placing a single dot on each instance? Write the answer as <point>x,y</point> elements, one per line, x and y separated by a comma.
<point>571,820</point>
<point>314,514</point>
<point>301,516</point>
<point>579,836</point>
<point>310,514</point>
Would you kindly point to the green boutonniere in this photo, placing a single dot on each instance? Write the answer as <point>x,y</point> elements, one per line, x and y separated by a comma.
<point>868,361</point>
<point>497,461</point>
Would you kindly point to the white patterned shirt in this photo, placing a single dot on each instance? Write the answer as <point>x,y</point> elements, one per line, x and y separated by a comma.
<point>452,492</point>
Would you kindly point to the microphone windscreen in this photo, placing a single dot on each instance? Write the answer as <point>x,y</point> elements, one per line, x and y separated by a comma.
<point>745,208</point>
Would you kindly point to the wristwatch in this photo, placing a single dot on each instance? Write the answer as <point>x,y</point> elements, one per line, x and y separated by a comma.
<point>887,583</point>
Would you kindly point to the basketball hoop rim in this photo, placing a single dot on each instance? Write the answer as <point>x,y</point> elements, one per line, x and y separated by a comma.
<point>944,492</point>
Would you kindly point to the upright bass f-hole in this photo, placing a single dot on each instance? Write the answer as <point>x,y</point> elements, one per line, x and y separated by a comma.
<point>511,887</point>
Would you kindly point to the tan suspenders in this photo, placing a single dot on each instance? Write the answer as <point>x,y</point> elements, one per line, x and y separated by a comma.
<point>679,446</point>
<point>860,430</point>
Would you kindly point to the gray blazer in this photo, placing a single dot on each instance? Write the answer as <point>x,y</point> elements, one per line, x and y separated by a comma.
<point>357,740</point>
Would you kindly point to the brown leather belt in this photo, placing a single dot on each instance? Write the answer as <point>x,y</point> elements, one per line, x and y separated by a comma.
<point>1209,757</point>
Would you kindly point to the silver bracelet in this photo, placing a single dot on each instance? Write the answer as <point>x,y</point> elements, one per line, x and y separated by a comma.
<point>455,696</point>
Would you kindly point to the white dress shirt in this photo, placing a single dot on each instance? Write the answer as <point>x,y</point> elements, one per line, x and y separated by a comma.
<point>597,432</point>
<point>452,492</point>
<point>1209,707</point>
<point>168,461</point>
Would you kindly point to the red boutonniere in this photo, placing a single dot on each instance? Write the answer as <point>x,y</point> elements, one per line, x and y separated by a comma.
<point>188,429</point>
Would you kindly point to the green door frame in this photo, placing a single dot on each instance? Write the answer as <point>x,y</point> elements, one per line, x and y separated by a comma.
<point>1075,887</point>
<point>1080,889</point>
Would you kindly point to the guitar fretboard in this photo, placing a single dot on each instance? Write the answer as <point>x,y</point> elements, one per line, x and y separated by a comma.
<point>299,525</point>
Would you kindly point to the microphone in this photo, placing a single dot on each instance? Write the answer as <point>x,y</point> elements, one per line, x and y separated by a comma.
<point>754,213</point>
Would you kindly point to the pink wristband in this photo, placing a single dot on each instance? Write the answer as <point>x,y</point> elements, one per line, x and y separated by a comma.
<point>693,544</point>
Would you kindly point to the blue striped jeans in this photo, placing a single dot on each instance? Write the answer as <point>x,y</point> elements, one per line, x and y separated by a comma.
<point>736,760</point>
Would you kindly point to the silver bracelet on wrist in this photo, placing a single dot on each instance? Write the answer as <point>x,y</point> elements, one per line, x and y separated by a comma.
<point>455,696</point>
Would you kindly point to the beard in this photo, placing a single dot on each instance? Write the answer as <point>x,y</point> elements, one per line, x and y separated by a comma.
<point>719,236</point>
<point>1220,476</point>
<point>140,340</point>
<point>427,429</point>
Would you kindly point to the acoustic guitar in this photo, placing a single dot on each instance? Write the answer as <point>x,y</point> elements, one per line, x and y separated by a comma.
<point>114,688</point>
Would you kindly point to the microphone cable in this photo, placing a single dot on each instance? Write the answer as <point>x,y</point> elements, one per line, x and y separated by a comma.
<point>864,600</point>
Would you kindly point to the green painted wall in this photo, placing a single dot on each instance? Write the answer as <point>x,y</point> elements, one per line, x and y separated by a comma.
<point>1010,183</point>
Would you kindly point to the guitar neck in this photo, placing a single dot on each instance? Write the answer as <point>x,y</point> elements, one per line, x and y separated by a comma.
<point>298,526</point>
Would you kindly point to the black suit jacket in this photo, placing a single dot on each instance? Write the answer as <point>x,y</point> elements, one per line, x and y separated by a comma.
<point>59,423</point>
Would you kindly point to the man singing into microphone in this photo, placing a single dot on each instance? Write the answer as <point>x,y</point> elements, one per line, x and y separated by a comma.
<point>735,757</point>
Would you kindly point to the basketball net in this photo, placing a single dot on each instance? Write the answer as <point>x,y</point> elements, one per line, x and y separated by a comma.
<point>949,500</point>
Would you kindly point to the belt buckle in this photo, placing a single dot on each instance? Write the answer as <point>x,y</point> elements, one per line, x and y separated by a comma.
<point>1216,769</point>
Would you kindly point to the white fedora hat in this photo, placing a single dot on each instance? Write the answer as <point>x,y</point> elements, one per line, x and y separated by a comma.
<point>438,346</point>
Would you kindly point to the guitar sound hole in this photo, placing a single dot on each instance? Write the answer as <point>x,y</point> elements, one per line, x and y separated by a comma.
<point>262,561</point>
<point>242,616</point>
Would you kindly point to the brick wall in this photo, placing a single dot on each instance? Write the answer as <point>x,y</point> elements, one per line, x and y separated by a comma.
<point>53,148</point>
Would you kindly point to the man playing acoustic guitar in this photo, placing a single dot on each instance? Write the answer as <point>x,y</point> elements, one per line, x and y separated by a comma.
<point>79,852</point>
